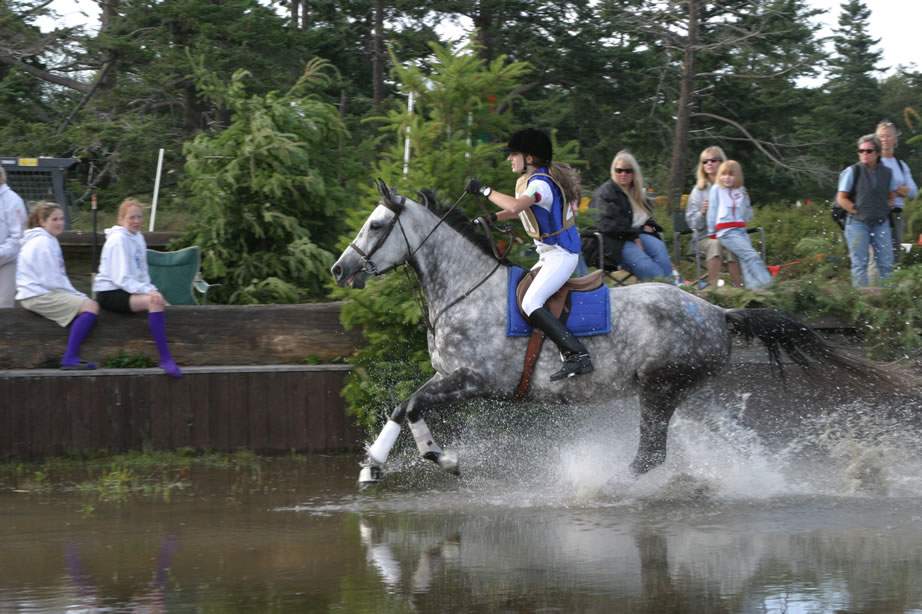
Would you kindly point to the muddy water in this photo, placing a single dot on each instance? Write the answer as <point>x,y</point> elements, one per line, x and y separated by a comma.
<point>539,522</point>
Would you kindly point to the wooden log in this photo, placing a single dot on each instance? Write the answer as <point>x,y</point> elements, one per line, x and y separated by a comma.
<point>199,335</point>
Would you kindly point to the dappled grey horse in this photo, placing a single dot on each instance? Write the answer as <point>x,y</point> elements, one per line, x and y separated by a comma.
<point>663,344</point>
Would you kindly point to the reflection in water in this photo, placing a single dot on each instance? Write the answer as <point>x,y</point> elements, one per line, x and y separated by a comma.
<point>152,598</point>
<point>641,560</point>
<point>544,518</point>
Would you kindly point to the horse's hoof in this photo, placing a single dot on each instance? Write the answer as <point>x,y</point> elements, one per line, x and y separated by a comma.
<point>370,474</point>
<point>641,466</point>
<point>447,460</point>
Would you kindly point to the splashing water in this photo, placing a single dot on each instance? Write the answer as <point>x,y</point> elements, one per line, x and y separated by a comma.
<point>535,456</point>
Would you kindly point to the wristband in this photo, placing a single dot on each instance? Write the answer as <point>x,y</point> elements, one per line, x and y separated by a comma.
<point>486,191</point>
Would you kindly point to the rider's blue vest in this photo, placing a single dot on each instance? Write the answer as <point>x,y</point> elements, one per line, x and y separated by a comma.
<point>553,227</point>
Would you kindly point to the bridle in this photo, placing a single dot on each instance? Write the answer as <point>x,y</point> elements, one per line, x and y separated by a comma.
<point>369,267</point>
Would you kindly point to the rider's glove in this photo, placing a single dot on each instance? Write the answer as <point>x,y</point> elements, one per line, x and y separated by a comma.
<point>475,187</point>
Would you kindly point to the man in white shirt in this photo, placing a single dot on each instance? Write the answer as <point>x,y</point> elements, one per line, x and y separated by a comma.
<point>12,219</point>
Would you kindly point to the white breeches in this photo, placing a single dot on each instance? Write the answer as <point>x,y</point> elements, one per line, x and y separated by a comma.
<point>557,264</point>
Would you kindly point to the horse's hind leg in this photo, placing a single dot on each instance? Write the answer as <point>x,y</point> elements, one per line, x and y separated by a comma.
<point>660,395</point>
<point>458,385</point>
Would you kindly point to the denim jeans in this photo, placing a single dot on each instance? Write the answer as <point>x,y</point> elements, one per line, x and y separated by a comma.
<point>755,275</point>
<point>649,262</point>
<point>859,235</point>
<point>896,230</point>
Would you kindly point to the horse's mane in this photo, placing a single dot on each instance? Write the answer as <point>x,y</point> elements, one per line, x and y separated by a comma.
<point>459,221</point>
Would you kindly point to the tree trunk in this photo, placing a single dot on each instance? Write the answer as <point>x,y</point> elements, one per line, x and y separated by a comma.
<point>305,15</point>
<point>377,55</point>
<point>108,78</point>
<point>294,5</point>
<point>483,24</point>
<point>683,110</point>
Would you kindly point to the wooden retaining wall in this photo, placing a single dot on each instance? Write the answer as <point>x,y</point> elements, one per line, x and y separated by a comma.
<point>267,409</point>
<point>199,335</point>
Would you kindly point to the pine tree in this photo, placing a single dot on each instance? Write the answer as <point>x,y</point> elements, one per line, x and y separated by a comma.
<point>852,93</point>
<point>267,192</point>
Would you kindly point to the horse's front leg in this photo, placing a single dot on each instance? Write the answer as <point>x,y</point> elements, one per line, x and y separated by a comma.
<point>458,385</point>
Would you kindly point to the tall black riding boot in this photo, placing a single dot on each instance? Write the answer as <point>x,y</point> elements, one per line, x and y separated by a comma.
<point>576,357</point>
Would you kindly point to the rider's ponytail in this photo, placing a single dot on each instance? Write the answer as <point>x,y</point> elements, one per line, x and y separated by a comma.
<point>567,178</point>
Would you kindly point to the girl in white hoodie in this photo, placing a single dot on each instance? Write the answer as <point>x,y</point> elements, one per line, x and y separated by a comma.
<point>123,283</point>
<point>42,285</point>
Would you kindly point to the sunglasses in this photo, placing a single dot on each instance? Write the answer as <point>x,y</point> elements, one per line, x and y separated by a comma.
<point>626,171</point>
<point>711,161</point>
<point>861,151</point>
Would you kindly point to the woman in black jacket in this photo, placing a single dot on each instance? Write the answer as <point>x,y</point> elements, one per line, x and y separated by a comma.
<point>625,218</point>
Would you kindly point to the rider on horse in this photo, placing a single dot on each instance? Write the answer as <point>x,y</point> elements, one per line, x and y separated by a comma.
<point>540,203</point>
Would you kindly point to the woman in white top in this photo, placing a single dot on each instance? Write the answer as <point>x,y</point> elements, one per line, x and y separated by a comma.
<point>123,283</point>
<point>696,212</point>
<point>42,285</point>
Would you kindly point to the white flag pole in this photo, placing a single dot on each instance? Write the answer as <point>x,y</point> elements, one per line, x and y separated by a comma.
<point>153,206</point>
<point>406,142</point>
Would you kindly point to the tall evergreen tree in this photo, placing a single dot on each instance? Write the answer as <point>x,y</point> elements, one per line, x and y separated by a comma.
<point>715,60</point>
<point>851,105</point>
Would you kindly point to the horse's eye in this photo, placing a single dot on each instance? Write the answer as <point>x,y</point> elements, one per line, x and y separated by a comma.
<point>376,226</point>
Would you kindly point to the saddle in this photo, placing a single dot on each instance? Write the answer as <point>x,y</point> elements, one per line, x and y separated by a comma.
<point>557,304</point>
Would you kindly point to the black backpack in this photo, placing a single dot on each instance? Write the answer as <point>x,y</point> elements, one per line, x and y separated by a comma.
<point>839,214</point>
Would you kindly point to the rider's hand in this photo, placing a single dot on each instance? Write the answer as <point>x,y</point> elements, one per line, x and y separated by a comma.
<point>485,220</point>
<point>473,186</point>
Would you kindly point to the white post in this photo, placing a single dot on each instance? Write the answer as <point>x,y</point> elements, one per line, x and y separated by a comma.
<point>153,205</point>
<point>406,142</point>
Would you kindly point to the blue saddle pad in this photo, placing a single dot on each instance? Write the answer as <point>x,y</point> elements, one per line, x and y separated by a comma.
<point>590,312</point>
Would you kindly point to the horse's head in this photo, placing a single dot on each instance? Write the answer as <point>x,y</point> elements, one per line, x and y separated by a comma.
<point>376,248</point>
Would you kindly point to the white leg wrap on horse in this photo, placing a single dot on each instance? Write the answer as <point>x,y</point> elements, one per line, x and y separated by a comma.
<point>379,450</point>
<point>423,437</point>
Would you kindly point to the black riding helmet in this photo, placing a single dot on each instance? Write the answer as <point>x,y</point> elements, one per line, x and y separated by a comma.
<point>531,142</point>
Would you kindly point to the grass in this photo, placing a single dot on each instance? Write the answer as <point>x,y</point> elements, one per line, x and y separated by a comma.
<point>117,478</point>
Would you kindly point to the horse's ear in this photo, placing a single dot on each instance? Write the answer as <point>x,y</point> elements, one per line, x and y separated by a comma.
<point>390,198</point>
<point>383,190</point>
<point>428,198</point>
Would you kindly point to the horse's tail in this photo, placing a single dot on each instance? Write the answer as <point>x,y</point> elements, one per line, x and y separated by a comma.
<point>780,332</point>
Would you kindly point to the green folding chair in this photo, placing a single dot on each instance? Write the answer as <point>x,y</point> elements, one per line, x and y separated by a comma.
<point>175,273</point>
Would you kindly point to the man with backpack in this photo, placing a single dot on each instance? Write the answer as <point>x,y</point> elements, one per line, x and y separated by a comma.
<point>866,192</point>
<point>906,187</point>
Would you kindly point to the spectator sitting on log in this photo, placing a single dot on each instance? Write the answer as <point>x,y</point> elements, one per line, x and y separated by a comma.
<point>42,285</point>
<point>123,282</point>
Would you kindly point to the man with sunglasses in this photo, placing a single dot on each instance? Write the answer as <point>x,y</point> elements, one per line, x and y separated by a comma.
<point>866,192</point>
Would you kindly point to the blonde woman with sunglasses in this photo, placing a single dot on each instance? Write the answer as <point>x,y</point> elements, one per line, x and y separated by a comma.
<point>632,238</point>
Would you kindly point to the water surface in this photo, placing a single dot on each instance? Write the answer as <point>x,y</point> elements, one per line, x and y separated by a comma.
<point>540,521</point>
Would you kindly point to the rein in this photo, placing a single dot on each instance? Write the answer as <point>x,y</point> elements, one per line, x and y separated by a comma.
<point>397,208</point>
